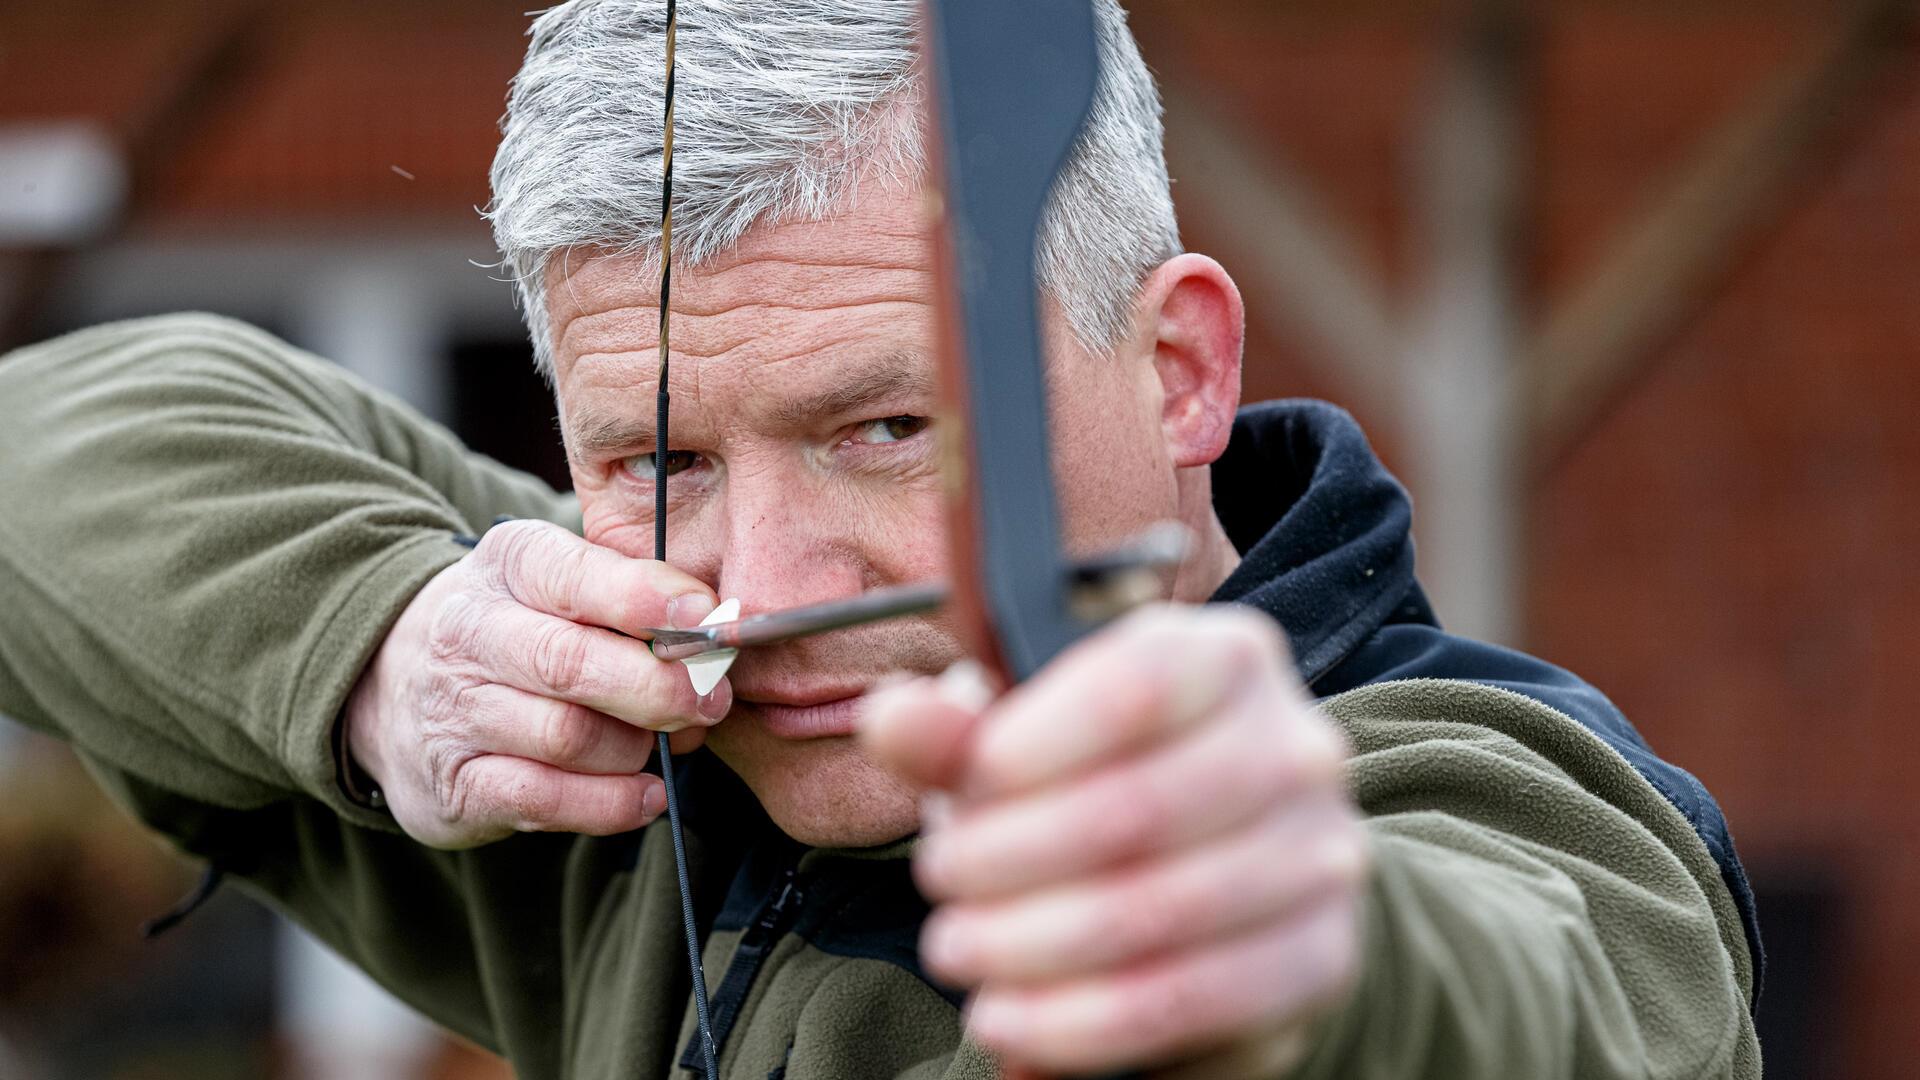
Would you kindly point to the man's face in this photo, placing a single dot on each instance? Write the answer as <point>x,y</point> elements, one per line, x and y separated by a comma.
<point>805,469</point>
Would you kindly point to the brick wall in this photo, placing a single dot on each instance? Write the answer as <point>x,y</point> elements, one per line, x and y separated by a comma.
<point>1733,550</point>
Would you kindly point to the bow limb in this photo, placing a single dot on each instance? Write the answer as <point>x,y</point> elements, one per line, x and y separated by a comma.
<point>1010,84</point>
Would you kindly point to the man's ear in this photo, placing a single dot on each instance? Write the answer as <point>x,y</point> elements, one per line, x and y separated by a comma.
<point>1189,314</point>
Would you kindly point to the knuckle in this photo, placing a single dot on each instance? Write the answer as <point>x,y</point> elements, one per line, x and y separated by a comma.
<point>446,702</point>
<point>666,696</point>
<point>566,575</point>
<point>529,803</point>
<point>567,734</point>
<point>519,801</point>
<point>445,737</point>
<point>1147,915</point>
<point>451,711</point>
<point>455,629</point>
<point>457,800</point>
<point>1124,819</point>
<point>443,768</point>
<point>1154,1014</point>
<point>440,701</point>
<point>497,546</point>
<point>1134,690</point>
<point>508,549</point>
<point>558,655</point>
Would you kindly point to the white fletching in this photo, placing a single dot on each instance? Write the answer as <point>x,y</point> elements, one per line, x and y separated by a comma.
<point>708,669</point>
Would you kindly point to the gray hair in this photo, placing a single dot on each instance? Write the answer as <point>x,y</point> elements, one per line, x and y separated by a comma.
<point>781,109</point>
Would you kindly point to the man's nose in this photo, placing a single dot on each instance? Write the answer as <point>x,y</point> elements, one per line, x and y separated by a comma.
<point>786,544</point>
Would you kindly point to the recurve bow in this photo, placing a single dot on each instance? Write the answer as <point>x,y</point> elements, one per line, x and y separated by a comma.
<point>1008,87</point>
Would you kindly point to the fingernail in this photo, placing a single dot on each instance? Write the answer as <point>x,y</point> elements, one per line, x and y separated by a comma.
<point>716,705</point>
<point>653,801</point>
<point>965,686</point>
<point>685,611</point>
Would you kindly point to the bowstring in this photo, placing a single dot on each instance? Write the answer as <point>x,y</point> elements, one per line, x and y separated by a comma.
<point>662,400</point>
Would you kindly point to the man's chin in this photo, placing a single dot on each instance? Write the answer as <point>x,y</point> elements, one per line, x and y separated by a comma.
<point>822,792</point>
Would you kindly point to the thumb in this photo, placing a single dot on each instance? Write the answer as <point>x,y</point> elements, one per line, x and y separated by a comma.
<point>922,729</point>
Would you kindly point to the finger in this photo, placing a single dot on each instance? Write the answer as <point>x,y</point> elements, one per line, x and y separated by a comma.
<point>1282,863</point>
<point>1273,978</point>
<point>920,729</point>
<point>554,658</point>
<point>495,791</point>
<point>504,720</point>
<point>1152,676</point>
<point>1222,777</point>
<point>549,569</point>
<point>687,740</point>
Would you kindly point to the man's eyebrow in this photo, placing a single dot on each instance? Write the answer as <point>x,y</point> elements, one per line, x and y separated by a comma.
<point>900,377</point>
<point>593,434</point>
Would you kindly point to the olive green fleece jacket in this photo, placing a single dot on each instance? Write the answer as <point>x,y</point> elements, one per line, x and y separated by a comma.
<point>205,533</point>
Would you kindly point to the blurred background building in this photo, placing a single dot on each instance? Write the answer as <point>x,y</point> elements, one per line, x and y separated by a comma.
<point>1629,293</point>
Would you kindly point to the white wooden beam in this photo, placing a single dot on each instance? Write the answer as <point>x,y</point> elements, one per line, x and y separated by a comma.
<point>1300,267</point>
<point>1463,423</point>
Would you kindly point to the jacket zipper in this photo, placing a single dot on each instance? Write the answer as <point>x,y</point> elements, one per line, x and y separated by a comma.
<point>755,946</point>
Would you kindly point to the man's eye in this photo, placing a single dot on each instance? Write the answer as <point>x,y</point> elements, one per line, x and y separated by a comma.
<point>642,465</point>
<point>892,429</point>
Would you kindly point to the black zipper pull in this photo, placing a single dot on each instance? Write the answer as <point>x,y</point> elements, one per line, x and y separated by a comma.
<point>789,898</point>
<point>756,944</point>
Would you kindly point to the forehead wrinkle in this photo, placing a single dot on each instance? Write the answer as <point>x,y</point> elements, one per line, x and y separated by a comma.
<point>683,305</point>
<point>616,324</point>
<point>635,328</point>
<point>737,336</point>
<point>805,287</point>
<point>608,283</point>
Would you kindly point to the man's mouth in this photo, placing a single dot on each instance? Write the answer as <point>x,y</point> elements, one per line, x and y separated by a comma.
<point>822,714</point>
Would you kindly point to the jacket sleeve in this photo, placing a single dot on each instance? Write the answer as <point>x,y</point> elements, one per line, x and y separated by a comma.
<point>1537,909</point>
<point>204,535</point>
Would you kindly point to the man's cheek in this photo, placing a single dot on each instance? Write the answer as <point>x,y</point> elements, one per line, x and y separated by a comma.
<point>608,522</point>
<point>900,525</point>
<point>600,510</point>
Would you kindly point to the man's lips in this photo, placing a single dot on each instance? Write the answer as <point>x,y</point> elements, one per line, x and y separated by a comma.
<point>810,714</point>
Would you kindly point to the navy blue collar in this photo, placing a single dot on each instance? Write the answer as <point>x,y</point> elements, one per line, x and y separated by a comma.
<point>1324,531</point>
